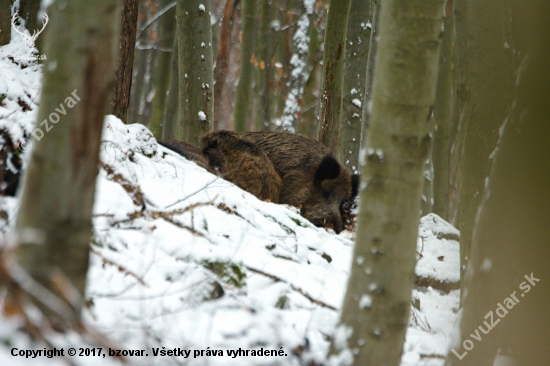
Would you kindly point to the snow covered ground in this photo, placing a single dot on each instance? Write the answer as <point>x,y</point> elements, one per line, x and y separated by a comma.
<point>182,259</point>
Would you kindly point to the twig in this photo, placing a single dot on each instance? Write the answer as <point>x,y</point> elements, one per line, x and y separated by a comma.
<point>295,288</point>
<point>120,267</point>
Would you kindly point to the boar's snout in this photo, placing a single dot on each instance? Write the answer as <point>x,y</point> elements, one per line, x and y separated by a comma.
<point>334,221</point>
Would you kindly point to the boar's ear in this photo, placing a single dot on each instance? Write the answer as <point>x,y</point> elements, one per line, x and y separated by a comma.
<point>329,168</point>
<point>354,185</point>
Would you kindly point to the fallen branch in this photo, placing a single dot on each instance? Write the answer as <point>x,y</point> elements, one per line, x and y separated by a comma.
<point>295,288</point>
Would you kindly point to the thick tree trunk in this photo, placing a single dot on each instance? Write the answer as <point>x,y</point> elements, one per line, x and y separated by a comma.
<point>5,22</point>
<point>171,119</point>
<point>166,34</point>
<point>196,79</point>
<point>241,113</point>
<point>508,277</point>
<point>58,194</point>
<point>357,52</point>
<point>376,306</point>
<point>485,81</point>
<point>333,74</point>
<point>123,78</point>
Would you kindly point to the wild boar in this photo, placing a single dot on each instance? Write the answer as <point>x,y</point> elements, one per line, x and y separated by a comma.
<point>312,177</point>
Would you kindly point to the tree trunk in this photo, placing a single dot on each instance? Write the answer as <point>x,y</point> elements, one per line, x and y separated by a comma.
<point>357,52</point>
<point>333,74</point>
<point>376,306</point>
<point>263,71</point>
<point>5,22</point>
<point>508,277</point>
<point>373,45</point>
<point>196,79</point>
<point>241,113</point>
<point>170,124</point>
<point>445,98</point>
<point>428,186</point>
<point>485,81</point>
<point>58,194</point>
<point>28,10</point>
<point>167,27</point>
<point>123,78</point>
<point>310,113</point>
<point>222,60</point>
<point>299,73</point>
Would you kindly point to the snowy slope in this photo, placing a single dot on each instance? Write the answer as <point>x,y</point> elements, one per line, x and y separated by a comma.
<point>184,259</point>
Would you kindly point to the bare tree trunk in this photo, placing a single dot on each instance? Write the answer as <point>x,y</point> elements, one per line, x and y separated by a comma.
<point>299,72</point>
<point>333,74</point>
<point>5,22</point>
<point>508,277</point>
<point>241,112</point>
<point>373,46</point>
<point>170,124</point>
<point>28,10</point>
<point>196,79</point>
<point>58,194</point>
<point>123,78</point>
<point>222,60</point>
<point>263,71</point>
<point>485,81</point>
<point>310,113</point>
<point>357,52</point>
<point>445,98</point>
<point>376,306</point>
<point>166,34</point>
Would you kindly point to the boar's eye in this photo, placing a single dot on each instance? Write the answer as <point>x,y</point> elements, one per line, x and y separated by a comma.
<point>326,194</point>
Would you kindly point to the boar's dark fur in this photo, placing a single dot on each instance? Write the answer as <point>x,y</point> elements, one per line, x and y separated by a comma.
<point>242,163</point>
<point>312,177</point>
<point>188,151</point>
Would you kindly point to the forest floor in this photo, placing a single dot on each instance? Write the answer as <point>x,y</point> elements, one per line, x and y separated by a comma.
<point>182,259</point>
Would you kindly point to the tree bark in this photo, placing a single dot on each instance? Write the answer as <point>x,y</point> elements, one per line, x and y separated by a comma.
<point>485,81</point>
<point>241,113</point>
<point>123,78</point>
<point>333,74</point>
<point>166,34</point>
<point>307,126</point>
<point>170,124</point>
<point>5,22</point>
<point>445,98</point>
<point>373,45</point>
<point>58,194</point>
<point>196,79</point>
<point>508,277</point>
<point>376,306</point>
<point>28,10</point>
<point>263,71</point>
<point>357,53</point>
<point>299,73</point>
<point>222,60</point>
